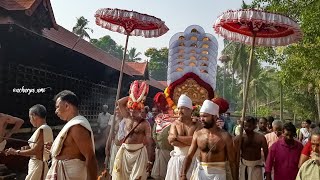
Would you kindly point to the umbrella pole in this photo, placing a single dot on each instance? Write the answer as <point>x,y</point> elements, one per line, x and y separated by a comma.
<point>119,88</point>
<point>245,94</point>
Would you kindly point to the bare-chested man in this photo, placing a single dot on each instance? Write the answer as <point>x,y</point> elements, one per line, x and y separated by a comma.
<point>136,155</point>
<point>180,136</point>
<point>215,146</point>
<point>252,142</point>
<point>37,167</point>
<point>73,151</point>
<point>6,119</point>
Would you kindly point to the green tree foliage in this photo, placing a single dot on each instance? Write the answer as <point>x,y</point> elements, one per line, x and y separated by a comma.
<point>299,63</point>
<point>158,64</point>
<point>107,44</point>
<point>81,28</point>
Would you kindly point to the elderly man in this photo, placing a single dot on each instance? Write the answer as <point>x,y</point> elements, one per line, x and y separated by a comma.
<point>104,119</point>
<point>180,136</point>
<point>275,134</point>
<point>215,146</point>
<point>6,119</point>
<point>252,143</point>
<point>73,151</point>
<point>38,166</point>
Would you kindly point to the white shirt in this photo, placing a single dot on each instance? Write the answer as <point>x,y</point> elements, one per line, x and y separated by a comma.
<point>305,135</point>
<point>103,120</point>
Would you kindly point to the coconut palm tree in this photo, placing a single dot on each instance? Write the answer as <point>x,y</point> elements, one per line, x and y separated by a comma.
<point>80,29</point>
<point>132,55</point>
<point>260,86</point>
<point>238,55</point>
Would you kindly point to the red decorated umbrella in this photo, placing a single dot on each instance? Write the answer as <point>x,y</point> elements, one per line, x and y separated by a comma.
<point>130,23</point>
<point>256,28</point>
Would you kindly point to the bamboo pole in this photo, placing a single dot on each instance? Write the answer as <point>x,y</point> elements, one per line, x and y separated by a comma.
<point>119,87</point>
<point>19,140</point>
<point>245,97</point>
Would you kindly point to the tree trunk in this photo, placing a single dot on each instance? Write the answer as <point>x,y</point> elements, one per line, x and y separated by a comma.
<point>232,86</point>
<point>255,100</point>
<point>281,102</point>
<point>318,104</point>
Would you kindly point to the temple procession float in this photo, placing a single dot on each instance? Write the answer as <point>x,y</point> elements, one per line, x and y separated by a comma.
<point>192,70</point>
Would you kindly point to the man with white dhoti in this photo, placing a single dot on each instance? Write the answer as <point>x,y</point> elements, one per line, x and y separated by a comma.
<point>160,135</point>
<point>251,164</point>
<point>215,147</point>
<point>38,163</point>
<point>135,156</point>
<point>73,151</point>
<point>163,148</point>
<point>180,136</point>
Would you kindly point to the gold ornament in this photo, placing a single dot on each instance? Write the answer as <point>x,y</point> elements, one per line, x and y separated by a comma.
<point>193,38</point>
<point>192,89</point>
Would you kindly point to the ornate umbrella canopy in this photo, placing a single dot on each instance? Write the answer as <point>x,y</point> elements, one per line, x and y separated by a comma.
<point>269,29</point>
<point>256,28</point>
<point>130,23</point>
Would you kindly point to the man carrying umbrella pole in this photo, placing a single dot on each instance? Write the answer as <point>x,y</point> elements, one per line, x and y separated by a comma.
<point>135,156</point>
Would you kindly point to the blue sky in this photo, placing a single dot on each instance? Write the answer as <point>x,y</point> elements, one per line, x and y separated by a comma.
<point>177,14</point>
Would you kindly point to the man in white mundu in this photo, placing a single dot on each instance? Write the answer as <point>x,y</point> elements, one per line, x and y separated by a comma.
<point>163,148</point>
<point>180,136</point>
<point>136,154</point>
<point>73,151</point>
<point>160,135</point>
<point>215,146</point>
<point>38,166</point>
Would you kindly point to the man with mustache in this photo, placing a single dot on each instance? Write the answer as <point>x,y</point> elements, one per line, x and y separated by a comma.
<point>73,150</point>
<point>251,164</point>
<point>180,136</point>
<point>135,156</point>
<point>215,146</point>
